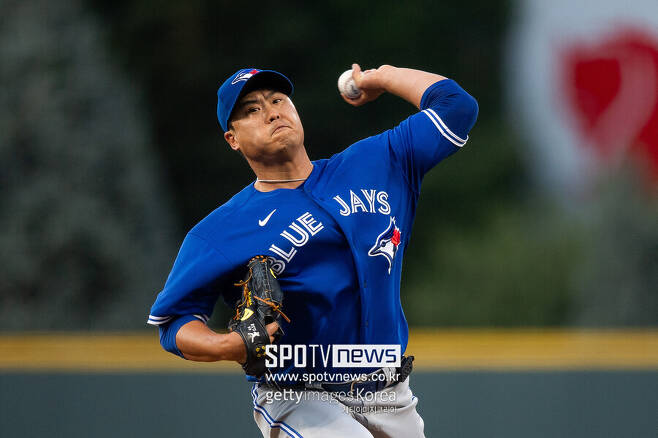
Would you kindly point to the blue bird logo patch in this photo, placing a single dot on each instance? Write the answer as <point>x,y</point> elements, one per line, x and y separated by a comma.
<point>387,243</point>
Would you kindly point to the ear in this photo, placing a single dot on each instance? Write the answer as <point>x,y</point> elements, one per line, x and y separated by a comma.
<point>229,136</point>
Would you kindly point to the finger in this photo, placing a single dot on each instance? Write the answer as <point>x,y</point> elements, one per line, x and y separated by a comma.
<point>348,100</point>
<point>272,327</point>
<point>355,102</point>
<point>356,71</point>
<point>357,74</point>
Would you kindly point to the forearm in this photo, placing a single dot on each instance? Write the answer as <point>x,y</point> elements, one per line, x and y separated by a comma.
<point>445,99</point>
<point>407,83</point>
<point>199,343</point>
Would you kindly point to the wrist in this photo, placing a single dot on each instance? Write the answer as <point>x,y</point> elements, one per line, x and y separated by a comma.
<point>387,74</point>
<point>231,347</point>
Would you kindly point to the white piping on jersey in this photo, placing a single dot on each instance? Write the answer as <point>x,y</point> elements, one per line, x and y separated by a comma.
<point>203,318</point>
<point>271,421</point>
<point>443,129</point>
<point>159,320</point>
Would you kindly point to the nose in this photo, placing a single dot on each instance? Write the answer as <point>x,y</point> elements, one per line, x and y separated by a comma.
<point>272,113</point>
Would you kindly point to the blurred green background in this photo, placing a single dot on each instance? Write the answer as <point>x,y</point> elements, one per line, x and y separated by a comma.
<point>111,151</point>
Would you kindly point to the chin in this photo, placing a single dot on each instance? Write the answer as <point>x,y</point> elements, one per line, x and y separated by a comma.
<point>288,140</point>
<point>277,150</point>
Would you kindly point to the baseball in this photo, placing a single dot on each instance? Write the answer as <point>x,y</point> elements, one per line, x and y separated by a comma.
<point>347,86</point>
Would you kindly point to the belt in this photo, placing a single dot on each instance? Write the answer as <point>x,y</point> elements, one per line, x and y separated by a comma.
<point>370,383</point>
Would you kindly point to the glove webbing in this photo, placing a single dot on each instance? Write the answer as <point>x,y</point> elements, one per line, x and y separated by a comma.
<point>248,295</point>
<point>246,302</point>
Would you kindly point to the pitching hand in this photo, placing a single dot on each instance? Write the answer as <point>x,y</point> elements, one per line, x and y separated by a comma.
<point>370,82</point>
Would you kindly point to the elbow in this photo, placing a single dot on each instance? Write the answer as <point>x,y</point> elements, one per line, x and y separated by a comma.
<point>467,109</point>
<point>458,108</point>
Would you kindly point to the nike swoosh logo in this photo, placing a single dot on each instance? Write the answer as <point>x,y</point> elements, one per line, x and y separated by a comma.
<point>263,222</point>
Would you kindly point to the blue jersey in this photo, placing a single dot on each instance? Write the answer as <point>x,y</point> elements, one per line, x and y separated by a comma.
<point>337,241</point>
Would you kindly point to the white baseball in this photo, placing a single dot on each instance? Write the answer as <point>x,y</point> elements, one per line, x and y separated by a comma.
<point>347,86</point>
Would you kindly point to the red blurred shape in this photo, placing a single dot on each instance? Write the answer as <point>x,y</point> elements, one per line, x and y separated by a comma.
<point>612,89</point>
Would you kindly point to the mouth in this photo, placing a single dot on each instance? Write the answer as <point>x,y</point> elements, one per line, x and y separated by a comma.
<point>280,128</point>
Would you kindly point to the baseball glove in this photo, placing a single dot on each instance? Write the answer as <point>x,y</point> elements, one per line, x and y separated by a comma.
<point>259,305</point>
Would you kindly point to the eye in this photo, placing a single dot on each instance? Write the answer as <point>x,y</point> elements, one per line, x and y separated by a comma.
<point>277,100</point>
<point>252,109</point>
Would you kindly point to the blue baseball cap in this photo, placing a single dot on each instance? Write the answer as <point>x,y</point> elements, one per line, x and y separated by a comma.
<point>244,81</point>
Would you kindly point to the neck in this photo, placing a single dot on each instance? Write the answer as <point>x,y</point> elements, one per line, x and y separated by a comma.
<point>288,175</point>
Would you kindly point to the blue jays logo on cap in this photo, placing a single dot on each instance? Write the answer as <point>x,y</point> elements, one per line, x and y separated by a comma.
<point>244,75</point>
<point>244,81</point>
<point>387,243</point>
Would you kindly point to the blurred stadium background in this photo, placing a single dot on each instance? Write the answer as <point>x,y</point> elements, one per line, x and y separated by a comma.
<point>531,281</point>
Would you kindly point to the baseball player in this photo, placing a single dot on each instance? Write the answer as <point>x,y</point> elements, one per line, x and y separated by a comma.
<point>334,232</point>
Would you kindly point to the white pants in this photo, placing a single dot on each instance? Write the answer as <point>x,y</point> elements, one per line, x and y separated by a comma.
<point>316,414</point>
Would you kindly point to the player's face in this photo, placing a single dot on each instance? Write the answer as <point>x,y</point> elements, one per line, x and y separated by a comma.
<point>265,125</point>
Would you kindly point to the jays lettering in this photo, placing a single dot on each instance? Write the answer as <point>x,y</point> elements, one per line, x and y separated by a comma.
<point>373,201</point>
<point>298,234</point>
<point>363,201</point>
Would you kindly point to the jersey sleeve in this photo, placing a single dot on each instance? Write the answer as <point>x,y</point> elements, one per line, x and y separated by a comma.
<point>193,285</point>
<point>440,129</point>
<point>168,333</point>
